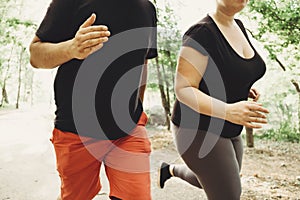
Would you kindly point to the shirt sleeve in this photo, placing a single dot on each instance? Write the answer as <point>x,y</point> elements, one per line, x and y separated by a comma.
<point>152,52</point>
<point>56,25</point>
<point>199,38</point>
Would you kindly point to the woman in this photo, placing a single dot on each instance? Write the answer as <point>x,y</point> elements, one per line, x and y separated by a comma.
<point>216,68</point>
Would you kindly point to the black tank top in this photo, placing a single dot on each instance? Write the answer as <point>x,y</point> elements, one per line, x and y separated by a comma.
<point>228,77</point>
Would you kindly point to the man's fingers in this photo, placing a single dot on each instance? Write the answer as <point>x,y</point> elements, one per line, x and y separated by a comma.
<point>97,47</point>
<point>94,42</point>
<point>95,28</point>
<point>92,49</point>
<point>94,35</point>
<point>89,22</point>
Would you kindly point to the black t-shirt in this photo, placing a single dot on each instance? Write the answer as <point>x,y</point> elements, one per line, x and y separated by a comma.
<point>61,23</point>
<point>228,77</point>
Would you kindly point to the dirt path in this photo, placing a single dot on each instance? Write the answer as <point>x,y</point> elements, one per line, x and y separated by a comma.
<point>27,164</point>
<point>270,171</point>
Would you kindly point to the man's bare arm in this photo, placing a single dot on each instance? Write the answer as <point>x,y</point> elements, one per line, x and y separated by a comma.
<point>87,40</point>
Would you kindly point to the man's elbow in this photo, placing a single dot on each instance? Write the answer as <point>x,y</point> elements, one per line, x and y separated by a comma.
<point>32,59</point>
<point>35,52</point>
<point>32,62</point>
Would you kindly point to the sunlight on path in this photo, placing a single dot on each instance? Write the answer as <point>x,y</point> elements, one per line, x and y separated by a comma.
<point>27,163</point>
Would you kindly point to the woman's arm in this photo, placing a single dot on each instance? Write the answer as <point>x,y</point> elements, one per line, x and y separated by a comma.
<point>190,69</point>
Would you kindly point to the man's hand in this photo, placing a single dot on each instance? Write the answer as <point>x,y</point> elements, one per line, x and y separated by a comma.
<point>88,38</point>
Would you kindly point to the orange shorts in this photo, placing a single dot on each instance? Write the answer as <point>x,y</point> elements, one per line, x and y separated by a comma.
<point>126,160</point>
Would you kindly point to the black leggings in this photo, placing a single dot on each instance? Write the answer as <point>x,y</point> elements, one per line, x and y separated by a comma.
<point>218,173</point>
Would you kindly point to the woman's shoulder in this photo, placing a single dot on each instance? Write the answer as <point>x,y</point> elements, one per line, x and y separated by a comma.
<point>200,36</point>
<point>202,27</point>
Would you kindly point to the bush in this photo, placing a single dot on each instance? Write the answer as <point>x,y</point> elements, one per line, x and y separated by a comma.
<point>286,130</point>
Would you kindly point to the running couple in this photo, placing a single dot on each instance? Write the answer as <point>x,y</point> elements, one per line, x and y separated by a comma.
<point>100,49</point>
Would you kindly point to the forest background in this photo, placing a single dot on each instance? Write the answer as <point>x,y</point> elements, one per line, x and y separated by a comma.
<point>274,28</point>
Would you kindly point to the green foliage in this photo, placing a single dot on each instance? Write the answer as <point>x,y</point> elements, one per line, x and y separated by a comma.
<point>285,132</point>
<point>282,121</point>
<point>281,17</point>
<point>152,86</point>
<point>169,40</point>
<point>15,22</point>
<point>283,115</point>
<point>278,29</point>
<point>168,31</point>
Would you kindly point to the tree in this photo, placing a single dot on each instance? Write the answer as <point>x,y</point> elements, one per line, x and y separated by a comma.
<point>14,36</point>
<point>278,28</point>
<point>168,46</point>
<point>6,77</point>
<point>3,10</point>
<point>22,51</point>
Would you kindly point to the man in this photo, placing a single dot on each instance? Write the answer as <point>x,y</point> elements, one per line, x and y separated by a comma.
<point>69,36</point>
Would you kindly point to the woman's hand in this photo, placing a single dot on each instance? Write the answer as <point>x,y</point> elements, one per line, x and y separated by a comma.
<point>88,39</point>
<point>254,94</point>
<point>246,113</point>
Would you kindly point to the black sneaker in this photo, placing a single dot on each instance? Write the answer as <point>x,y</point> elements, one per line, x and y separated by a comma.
<point>163,174</point>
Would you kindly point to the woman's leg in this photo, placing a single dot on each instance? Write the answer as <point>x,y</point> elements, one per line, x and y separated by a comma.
<point>183,172</point>
<point>166,171</point>
<point>218,171</point>
<point>239,150</point>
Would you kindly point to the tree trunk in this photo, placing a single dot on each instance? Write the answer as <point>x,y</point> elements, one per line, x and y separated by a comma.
<point>162,94</point>
<point>299,112</point>
<point>249,137</point>
<point>4,91</point>
<point>168,103</point>
<point>296,84</point>
<point>172,64</point>
<point>20,78</point>
<point>4,96</point>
